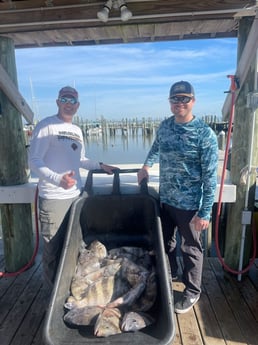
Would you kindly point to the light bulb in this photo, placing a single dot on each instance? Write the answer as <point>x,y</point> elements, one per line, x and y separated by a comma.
<point>125,13</point>
<point>104,13</point>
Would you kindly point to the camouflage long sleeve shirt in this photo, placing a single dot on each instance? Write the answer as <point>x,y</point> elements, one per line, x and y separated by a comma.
<point>188,156</point>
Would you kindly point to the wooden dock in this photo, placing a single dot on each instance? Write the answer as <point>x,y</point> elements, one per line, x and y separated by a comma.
<point>226,314</point>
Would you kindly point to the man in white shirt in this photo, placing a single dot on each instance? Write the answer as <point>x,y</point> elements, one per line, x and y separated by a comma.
<point>56,154</point>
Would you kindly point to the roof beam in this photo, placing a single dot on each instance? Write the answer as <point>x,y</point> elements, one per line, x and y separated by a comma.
<point>247,57</point>
<point>12,93</point>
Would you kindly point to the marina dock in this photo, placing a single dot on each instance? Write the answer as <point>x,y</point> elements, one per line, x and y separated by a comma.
<point>226,314</point>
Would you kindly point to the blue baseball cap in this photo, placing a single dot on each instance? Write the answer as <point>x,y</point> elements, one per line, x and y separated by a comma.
<point>183,88</point>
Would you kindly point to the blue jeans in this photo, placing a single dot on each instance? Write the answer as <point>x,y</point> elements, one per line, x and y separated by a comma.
<point>177,221</point>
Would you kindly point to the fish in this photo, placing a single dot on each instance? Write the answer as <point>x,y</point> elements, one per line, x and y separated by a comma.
<point>108,323</point>
<point>134,321</point>
<point>124,251</point>
<point>85,316</point>
<point>90,264</point>
<point>98,249</point>
<point>138,255</point>
<point>147,299</point>
<point>89,259</point>
<point>106,282</point>
<point>100,293</point>
<point>80,284</point>
<point>132,272</point>
<point>136,276</point>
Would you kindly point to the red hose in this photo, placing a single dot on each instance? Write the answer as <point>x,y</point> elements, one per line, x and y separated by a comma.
<point>29,264</point>
<point>226,267</point>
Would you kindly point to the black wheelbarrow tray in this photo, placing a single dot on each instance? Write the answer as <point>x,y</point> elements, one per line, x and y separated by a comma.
<point>115,220</point>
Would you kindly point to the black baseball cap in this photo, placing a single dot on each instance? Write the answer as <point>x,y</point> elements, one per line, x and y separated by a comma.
<point>181,88</point>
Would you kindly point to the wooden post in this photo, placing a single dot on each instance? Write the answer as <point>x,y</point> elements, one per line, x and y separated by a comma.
<point>16,218</point>
<point>239,159</point>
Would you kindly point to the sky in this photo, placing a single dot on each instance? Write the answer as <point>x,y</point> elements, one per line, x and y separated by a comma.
<point>122,81</point>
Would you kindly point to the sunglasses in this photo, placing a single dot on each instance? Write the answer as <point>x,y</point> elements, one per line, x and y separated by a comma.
<point>67,100</point>
<point>180,99</point>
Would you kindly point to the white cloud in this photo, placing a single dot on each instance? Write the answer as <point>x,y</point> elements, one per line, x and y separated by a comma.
<point>132,79</point>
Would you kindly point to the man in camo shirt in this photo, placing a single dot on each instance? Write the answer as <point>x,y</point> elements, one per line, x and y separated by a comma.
<point>187,151</point>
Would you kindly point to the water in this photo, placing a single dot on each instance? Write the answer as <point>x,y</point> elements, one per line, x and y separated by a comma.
<point>118,149</point>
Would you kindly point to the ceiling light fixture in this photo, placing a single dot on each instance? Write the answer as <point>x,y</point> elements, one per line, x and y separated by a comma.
<point>104,13</point>
<point>125,13</point>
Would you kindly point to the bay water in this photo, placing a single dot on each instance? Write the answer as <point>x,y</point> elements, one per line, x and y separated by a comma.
<point>118,149</point>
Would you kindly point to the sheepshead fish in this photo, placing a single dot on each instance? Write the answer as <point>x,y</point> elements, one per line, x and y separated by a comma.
<point>98,249</point>
<point>90,264</point>
<point>80,284</point>
<point>148,297</point>
<point>134,321</point>
<point>82,316</point>
<point>90,257</point>
<point>138,255</point>
<point>129,297</point>
<point>136,276</point>
<point>124,251</point>
<point>132,272</point>
<point>108,323</point>
<point>100,293</point>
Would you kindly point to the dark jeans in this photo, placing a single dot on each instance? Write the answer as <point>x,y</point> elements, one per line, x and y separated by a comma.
<point>175,220</point>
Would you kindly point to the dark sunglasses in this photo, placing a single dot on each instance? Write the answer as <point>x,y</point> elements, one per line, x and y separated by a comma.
<point>68,100</point>
<point>180,99</point>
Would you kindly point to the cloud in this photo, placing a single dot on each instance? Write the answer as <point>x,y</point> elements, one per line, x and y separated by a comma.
<point>129,79</point>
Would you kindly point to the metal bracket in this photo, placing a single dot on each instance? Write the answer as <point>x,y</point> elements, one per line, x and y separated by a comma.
<point>252,100</point>
<point>246,217</point>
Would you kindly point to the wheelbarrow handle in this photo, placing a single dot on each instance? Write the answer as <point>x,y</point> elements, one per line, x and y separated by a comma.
<point>88,188</point>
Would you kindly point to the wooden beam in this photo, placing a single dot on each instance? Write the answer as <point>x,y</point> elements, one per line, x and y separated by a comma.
<point>12,93</point>
<point>247,57</point>
<point>16,218</point>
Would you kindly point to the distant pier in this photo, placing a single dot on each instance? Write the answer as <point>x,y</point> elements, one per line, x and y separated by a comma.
<point>124,127</point>
<point>146,127</point>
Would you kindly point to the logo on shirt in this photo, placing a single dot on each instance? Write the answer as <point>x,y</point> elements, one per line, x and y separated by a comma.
<point>65,135</point>
<point>74,146</point>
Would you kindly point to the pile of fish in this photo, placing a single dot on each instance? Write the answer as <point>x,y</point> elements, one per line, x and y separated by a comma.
<point>112,290</point>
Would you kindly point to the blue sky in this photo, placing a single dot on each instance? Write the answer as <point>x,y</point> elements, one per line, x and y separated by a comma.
<point>127,80</point>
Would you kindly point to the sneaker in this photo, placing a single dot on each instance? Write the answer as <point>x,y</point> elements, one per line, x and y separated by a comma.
<point>174,277</point>
<point>185,304</point>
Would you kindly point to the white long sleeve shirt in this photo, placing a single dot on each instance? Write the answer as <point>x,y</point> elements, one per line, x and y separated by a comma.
<point>57,148</point>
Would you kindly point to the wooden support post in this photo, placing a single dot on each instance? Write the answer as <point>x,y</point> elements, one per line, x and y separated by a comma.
<point>16,218</point>
<point>239,159</point>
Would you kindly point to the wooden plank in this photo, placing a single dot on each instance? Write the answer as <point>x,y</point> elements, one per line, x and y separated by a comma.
<point>241,311</point>
<point>187,323</point>
<point>250,295</point>
<point>253,274</point>
<point>209,325</point>
<point>226,319</point>
<point>189,330</point>
<point>177,339</point>
<point>38,339</point>
<point>14,96</point>
<point>33,319</point>
<point>15,290</point>
<point>6,284</point>
<point>14,318</point>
